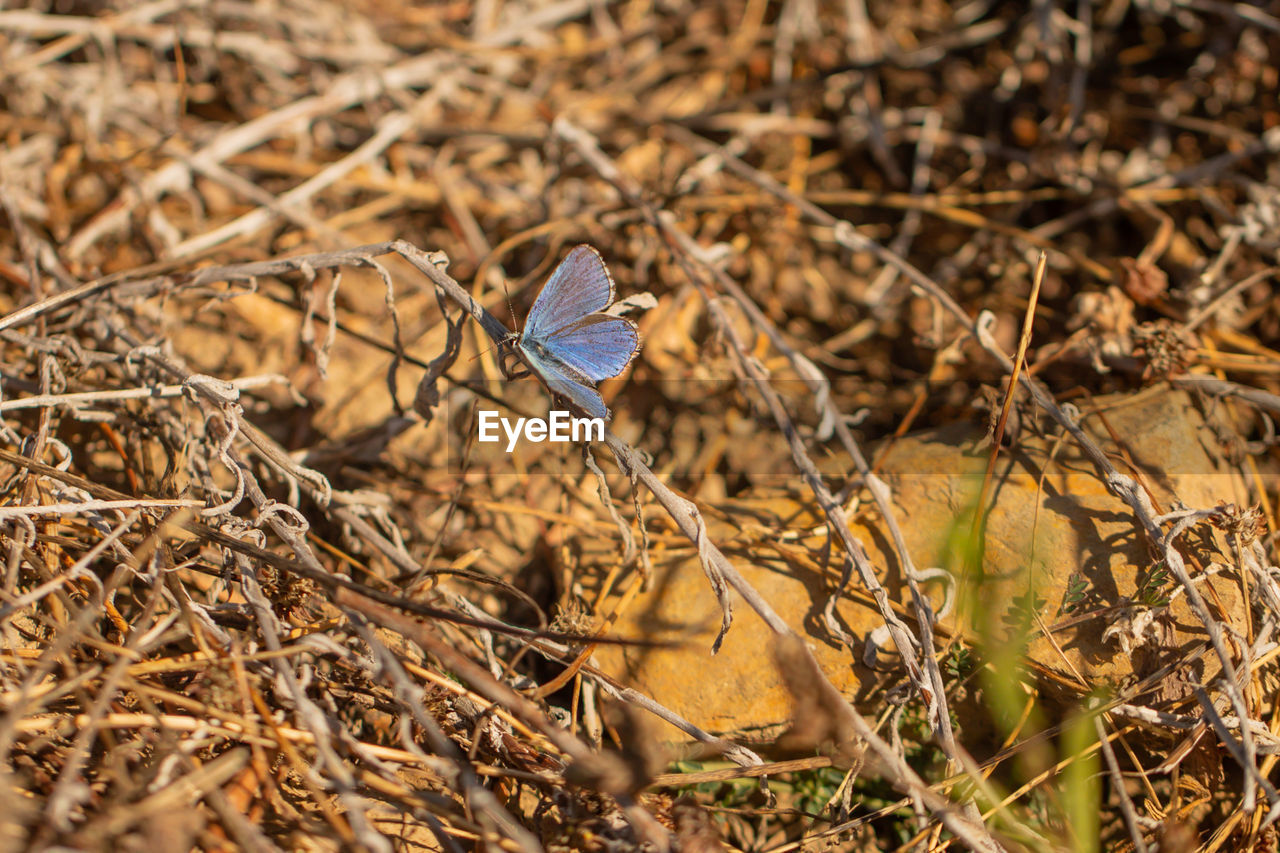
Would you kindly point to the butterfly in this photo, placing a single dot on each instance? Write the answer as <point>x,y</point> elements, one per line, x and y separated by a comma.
<point>567,342</point>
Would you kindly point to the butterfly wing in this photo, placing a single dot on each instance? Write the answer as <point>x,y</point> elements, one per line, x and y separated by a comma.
<point>563,383</point>
<point>597,346</point>
<point>581,285</point>
<point>567,343</point>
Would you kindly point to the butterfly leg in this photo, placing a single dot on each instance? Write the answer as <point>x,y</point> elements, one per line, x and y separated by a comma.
<point>517,371</point>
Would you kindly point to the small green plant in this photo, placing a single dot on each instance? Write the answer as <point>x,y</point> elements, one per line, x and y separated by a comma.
<point>1022,609</point>
<point>813,789</point>
<point>1081,788</point>
<point>729,794</point>
<point>1153,589</point>
<point>959,662</point>
<point>1077,587</point>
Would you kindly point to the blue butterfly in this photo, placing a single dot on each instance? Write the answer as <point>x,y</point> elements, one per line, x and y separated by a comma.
<point>567,343</point>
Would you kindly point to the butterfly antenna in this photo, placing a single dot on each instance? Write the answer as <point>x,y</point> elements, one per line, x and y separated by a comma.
<point>514,322</point>
<point>507,293</point>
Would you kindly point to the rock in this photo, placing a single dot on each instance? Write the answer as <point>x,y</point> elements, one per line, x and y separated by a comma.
<point>1054,529</point>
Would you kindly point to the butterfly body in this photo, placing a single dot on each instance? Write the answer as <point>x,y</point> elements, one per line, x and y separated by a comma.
<point>567,342</point>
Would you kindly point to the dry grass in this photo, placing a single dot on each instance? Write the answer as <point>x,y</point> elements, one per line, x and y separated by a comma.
<point>263,590</point>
